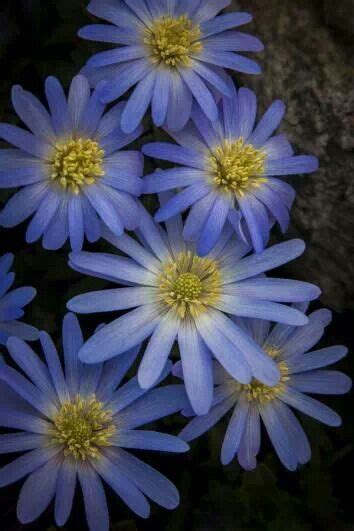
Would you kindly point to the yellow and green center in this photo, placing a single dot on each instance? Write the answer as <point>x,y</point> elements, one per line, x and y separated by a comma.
<point>83,426</point>
<point>172,41</point>
<point>236,166</point>
<point>77,163</point>
<point>190,284</point>
<point>258,391</point>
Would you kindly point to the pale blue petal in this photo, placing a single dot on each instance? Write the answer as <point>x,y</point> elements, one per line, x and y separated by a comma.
<point>54,366</point>
<point>230,357</point>
<point>20,442</point>
<point>26,464</point>
<point>230,60</point>
<point>79,96</point>
<point>204,423</point>
<point>279,436</point>
<point>310,407</point>
<point>224,22</point>
<point>271,258</point>
<point>120,335</point>
<point>268,124</point>
<point>235,430</point>
<point>125,77</point>
<point>149,440</point>
<point>180,103</point>
<point>154,405</point>
<point>278,147</point>
<point>38,491</point>
<point>58,106</point>
<point>170,179</point>
<point>251,440</point>
<point>321,382</point>
<point>200,92</point>
<point>197,368</point>
<point>138,103</point>
<point>25,141</point>
<point>44,215</point>
<point>57,232</point>
<point>23,204</point>
<point>148,480</point>
<point>31,364</point>
<point>76,224</point>
<point>108,33</point>
<point>160,99</point>
<point>158,350</point>
<point>72,342</point>
<point>292,165</point>
<point>111,267</point>
<point>208,9</point>
<point>317,359</point>
<point>182,201</point>
<point>213,226</point>
<point>94,498</point>
<point>275,289</point>
<point>33,114</point>
<point>176,154</point>
<point>122,485</point>
<point>65,491</point>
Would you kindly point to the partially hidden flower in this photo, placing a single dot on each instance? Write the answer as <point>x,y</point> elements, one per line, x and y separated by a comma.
<point>12,304</point>
<point>177,295</point>
<point>303,372</point>
<point>70,166</point>
<point>74,425</point>
<point>229,172</point>
<point>174,52</point>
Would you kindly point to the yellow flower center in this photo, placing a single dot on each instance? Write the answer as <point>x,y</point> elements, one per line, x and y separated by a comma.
<point>235,166</point>
<point>83,426</point>
<point>77,163</point>
<point>262,393</point>
<point>189,284</point>
<point>172,41</point>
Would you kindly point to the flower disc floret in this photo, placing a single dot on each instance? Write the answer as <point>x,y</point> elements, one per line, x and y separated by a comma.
<point>236,166</point>
<point>83,426</point>
<point>172,41</point>
<point>190,284</point>
<point>77,163</point>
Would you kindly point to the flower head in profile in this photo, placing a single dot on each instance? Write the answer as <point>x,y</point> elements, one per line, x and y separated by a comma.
<point>69,166</point>
<point>74,425</point>
<point>229,173</point>
<point>173,52</point>
<point>175,295</point>
<point>303,371</point>
<point>12,304</point>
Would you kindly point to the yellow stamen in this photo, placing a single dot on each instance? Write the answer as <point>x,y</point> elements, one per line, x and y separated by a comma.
<point>258,391</point>
<point>172,41</point>
<point>190,284</point>
<point>236,166</point>
<point>77,163</point>
<point>83,426</point>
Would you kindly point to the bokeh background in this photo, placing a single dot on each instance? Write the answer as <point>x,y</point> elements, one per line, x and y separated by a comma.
<point>308,62</point>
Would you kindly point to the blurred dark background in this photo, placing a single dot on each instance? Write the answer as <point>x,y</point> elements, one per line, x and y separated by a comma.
<point>308,62</point>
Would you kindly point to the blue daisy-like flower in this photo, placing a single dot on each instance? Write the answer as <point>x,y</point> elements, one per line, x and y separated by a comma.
<point>303,371</point>
<point>177,295</point>
<point>12,304</point>
<point>70,166</point>
<point>75,425</point>
<point>229,172</point>
<point>175,52</point>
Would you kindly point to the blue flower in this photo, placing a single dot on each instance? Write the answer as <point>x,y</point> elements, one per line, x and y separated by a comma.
<point>12,304</point>
<point>302,371</point>
<point>175,52</point>
<point>69,166</point>
<point>177,295</point>
<point>228,173</point>
<point>74,425</point>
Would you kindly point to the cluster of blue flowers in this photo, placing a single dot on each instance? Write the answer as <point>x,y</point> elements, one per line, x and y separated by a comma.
<point>244,339</point>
